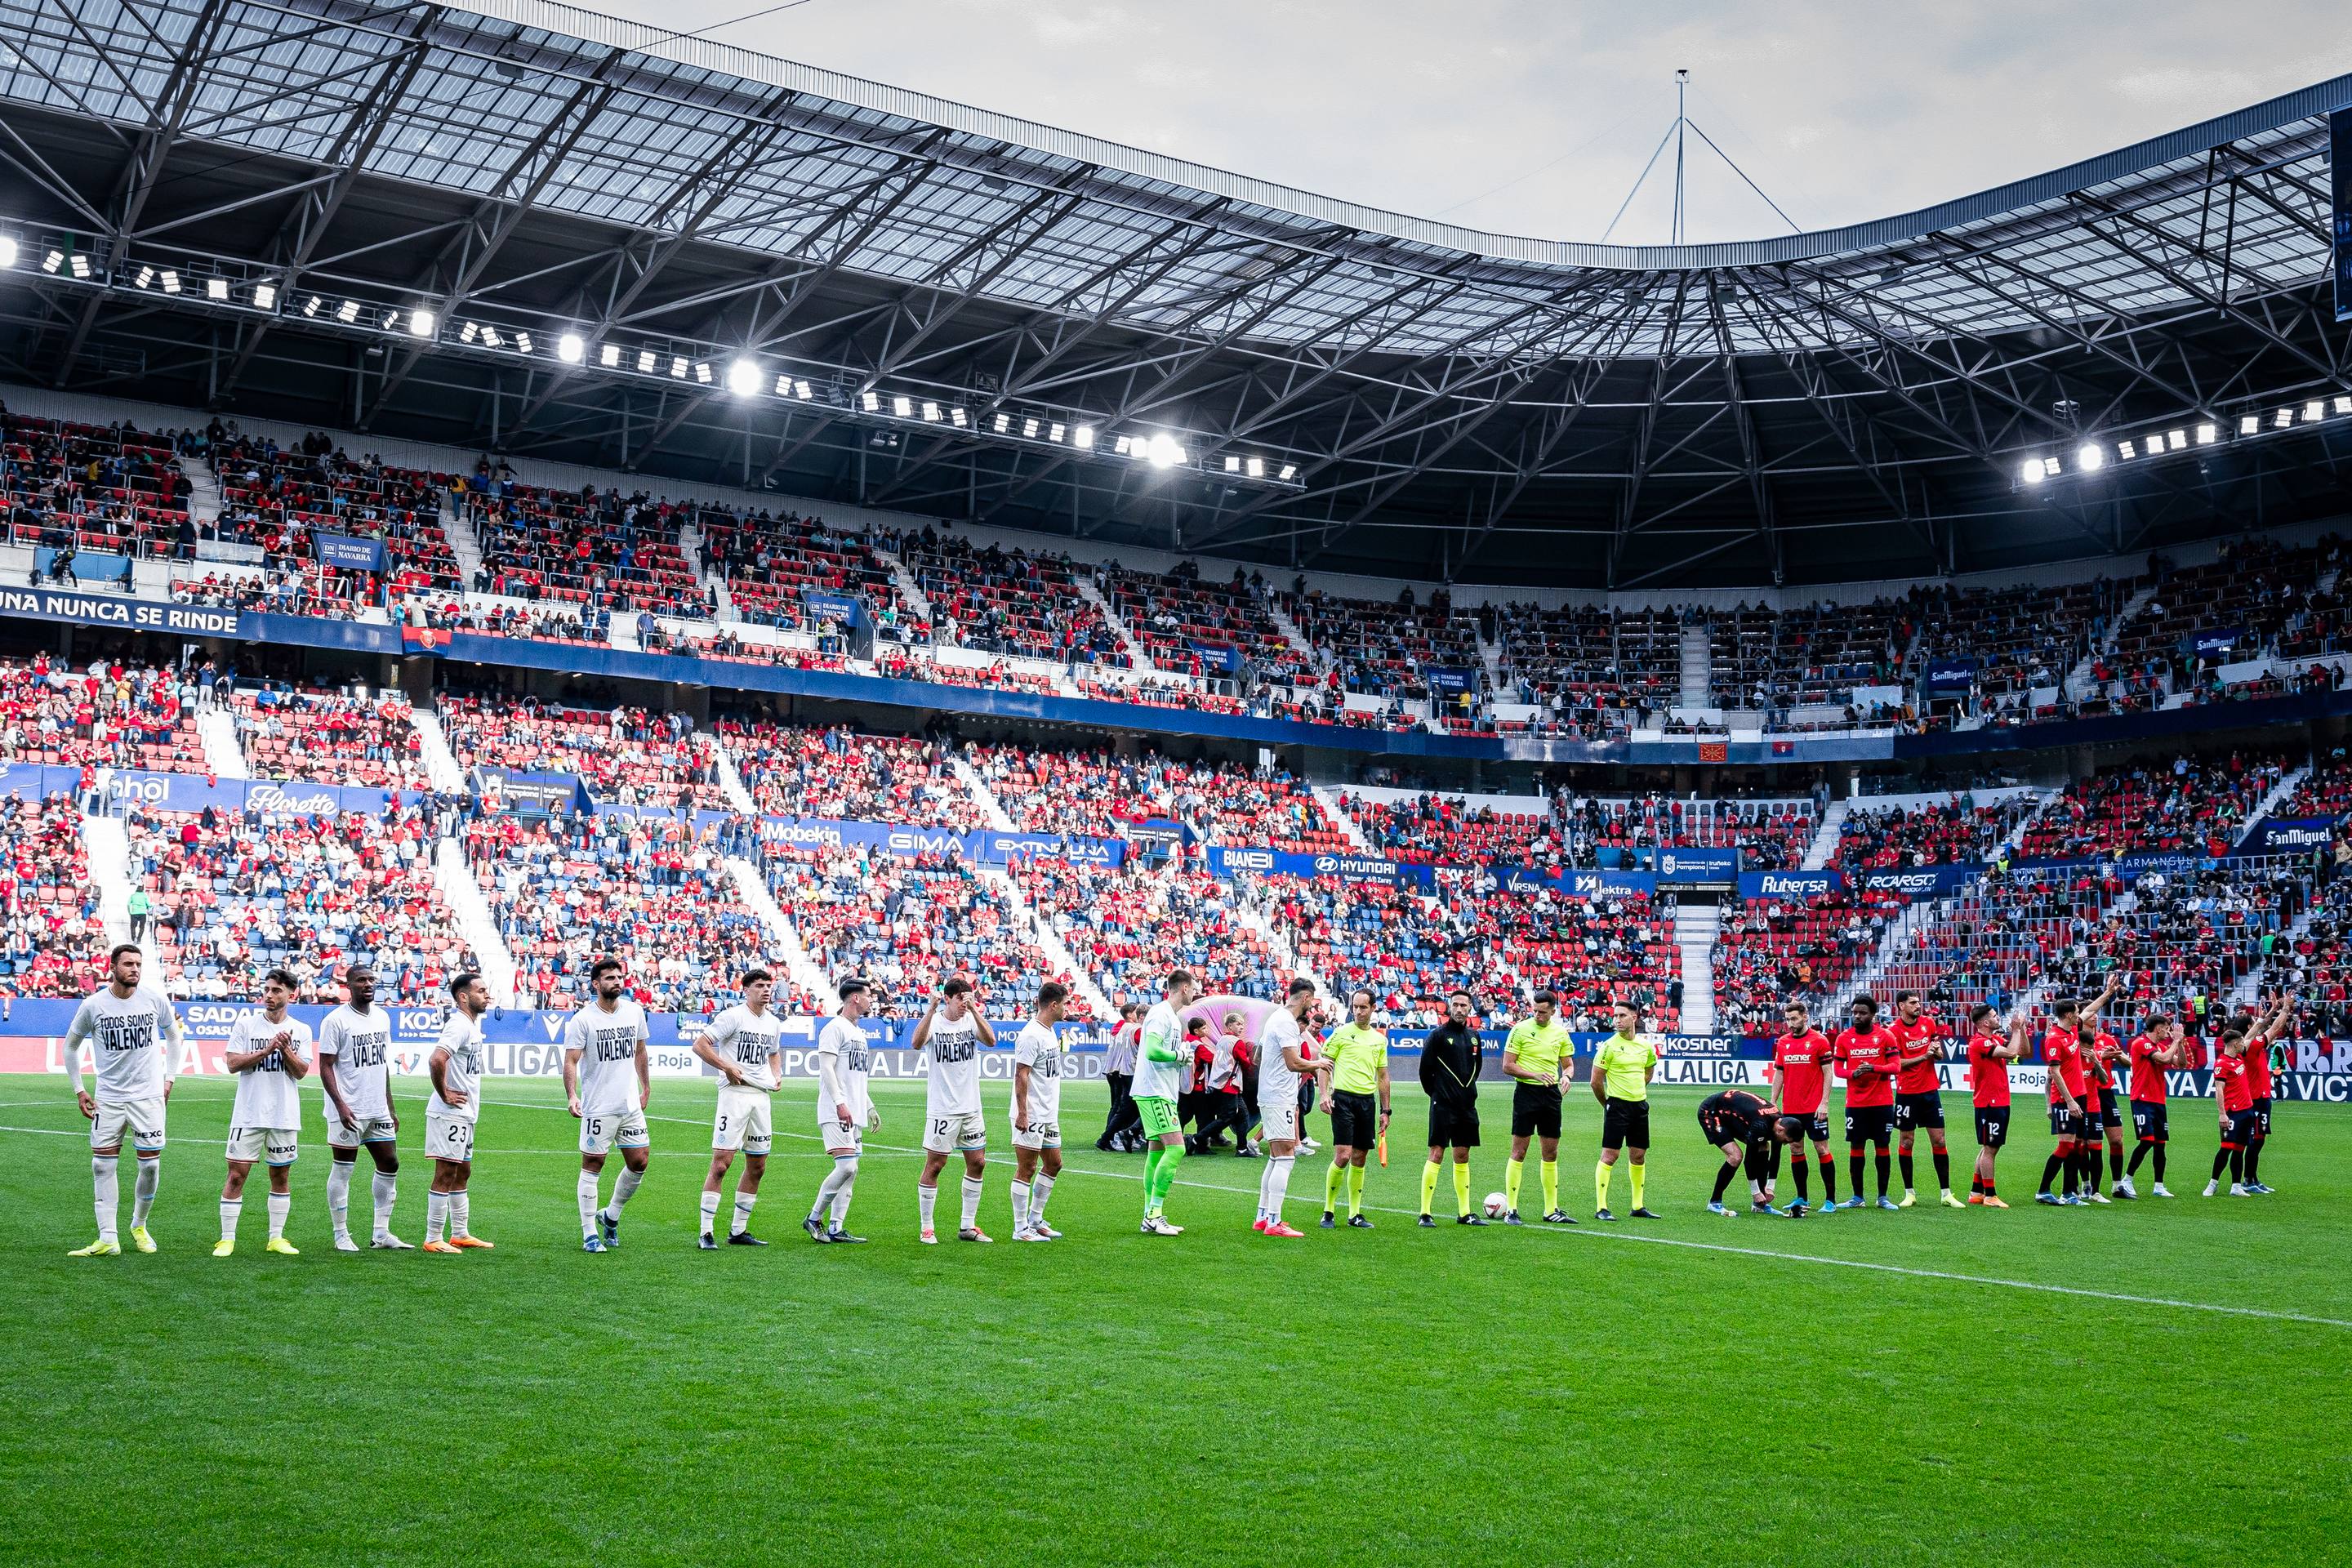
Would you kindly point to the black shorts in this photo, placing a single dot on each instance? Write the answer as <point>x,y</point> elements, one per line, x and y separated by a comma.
<point>1917,1111</point>
<point>2245,1126</point>
<point>2262,1117</point>
<point>2148,1118</point>
<point>1535,1111</point>
<point>1992,1126</point>
<point>1721,1129</point>
<point>1868,1124</point>
<point>2066,1124</point>
<point>2110,1113</point>
<point>1817,1124</point>
<point>1624,1122</point>
<point>1355,1118</point>
<point>1453,1129</point>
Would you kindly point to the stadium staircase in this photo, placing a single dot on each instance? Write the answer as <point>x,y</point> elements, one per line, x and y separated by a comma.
<point>1058,955</point>
<point>224,758</point>
<point>983,797</point>
<point>2077,684</point>
<point>1490,654</point>
<point>730,781</point>
<point>1824,848</point>
<point>1290,632</point>
<point>470,907</point>
<point>1119,630</point>
<point>109,871</point>
<point>463,543</point>
<point>203,493</point>
<point>1698,667</point>
<point>2280,793</point>
<point>799,966</point>
<point>1696,929</point>
<point>910,593</point>
<point>1329,799</point>
<point>433,750</point>
<point>2247,991</point>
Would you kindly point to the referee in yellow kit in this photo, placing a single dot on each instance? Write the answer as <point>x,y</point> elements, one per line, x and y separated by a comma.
<point>1623,1066</point>
<point>1357,1104</point>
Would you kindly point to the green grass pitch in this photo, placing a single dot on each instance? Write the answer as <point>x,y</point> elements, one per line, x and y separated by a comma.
<point>2149,1383</point>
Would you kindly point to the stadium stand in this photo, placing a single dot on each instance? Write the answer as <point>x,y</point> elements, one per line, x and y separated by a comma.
<point>1952,833</point>
<point>328,737</point>
<point>280,497</point>
<point>100,488</point>
<point>1196,628</point>
<point>1594,953</point>
<point>1128,926</point>
<point>110,714</point>
<point>770,563</point>
<point>1007,602</point>
<point>799,771</point>
<point>52,941</point>
<point>597,549</point>
<point>1431,828</point>
<point>1776,950</point>
<point>624,756</point>
<point>2194,804</point>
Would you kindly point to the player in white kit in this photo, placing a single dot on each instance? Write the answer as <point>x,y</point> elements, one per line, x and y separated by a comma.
<point>1038,1061</point>
<point>950,1038</point>
<point>607,1079</point>
<point>845,1110</point>
<point>135,1036</point>
<point>270,1051</point>
<point>456,1068</point>
<point>355,1070</point>
<point>743,1043</point>
<point>1285,1060</point>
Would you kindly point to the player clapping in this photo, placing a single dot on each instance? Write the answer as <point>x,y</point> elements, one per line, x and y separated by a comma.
<point>269,1052</point>
<point>1988,1058</point>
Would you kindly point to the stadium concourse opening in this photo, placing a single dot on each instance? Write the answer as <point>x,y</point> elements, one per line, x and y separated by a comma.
<point>1831,879</point>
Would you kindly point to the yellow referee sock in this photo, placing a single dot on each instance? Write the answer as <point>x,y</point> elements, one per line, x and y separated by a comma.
<point>1428,1184</point>
<point>1331,1187</point>
<point>1600,1184</point>
<point>1635,1176</point>
<point>1461,1189</point>
<point>1355,1190</point>
<point>1551,1186</point>
<point>1513,1171</point>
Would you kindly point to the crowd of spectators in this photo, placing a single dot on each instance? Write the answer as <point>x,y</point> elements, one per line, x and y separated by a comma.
<point>330,737</point>
<point>624,756</point>
<point>1128,925</point>
<point>280,499</point>
<point>1954,832</point>
<point>802,770</point>
<point>1006,602</point>
<point>2191,806</point>
<point>110,714</point>
<point>52,940</point>
<point>93,489</point>
<point>593,548</point>
<point>1771,951</point>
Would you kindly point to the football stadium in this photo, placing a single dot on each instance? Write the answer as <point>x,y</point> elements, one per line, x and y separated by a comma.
<point>792,683</point>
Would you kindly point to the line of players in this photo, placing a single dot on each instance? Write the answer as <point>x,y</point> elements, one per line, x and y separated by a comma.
<point>1889,1070</point>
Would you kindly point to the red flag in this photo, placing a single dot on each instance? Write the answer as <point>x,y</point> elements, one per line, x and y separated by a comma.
<point>423,636</point>
<point>1714,751</point>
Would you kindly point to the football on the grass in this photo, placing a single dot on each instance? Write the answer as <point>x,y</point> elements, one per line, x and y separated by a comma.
<point>1497,1205</point>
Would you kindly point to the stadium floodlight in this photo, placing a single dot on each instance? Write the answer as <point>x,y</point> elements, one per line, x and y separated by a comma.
<point>1163,451</point>
<point>571,348</point>
<point>171,281</point>
<point>903,406</point>
<point>1029,429</point>
<point>702,371</point>
<point>7,251</point>
<point>2091,459</point>
<point>1056,431</point>
<point>930,412</point>
<point>804,391</point>
<point>1256,466</point>
<point>53,261</point>
<point>313,306</point>
<point>2314,411</point>
<point>81,267</point>
<point>469,331</point>
<point>264,296</point>
<point>2343,404</point>
<point>2249,423</point>
<point>2207,434</point>
<point>522,342</point>
<point>1119,447</point>
<point>1083,437</point>
<point>677,367</point>
<point>2125,450</point>
<point>610,358</point>
<point>144,276</point>
<point>957,418</point>
<point>2031,472</point>
<point>491,337</point>
<point>870,401</point>
<point>2177,440</point>
<point>421,323</point>
<point>1289,471</point>
<point>2283,419</point>
<point>348,311</point>
<point>1233,463</point>
<point>743,378</point>
<point>647,363</point>
<point>1003,423</point>
<point>215,288</point>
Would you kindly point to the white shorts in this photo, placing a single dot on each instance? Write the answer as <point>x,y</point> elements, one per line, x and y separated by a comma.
<point>743,1120</point>
<point>603,1131</point>
<point>1039,1135</point>
<point>143,1118</point>
<point>274,1144</point>
<point>342,1134</point>
<point>448,1138</point>
<point>839,1135</point>
<point>1279,1120</point>
<point>947,1134</point>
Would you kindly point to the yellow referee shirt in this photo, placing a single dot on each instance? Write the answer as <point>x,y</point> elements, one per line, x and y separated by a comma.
<point>1357,1055</point>
<point>1541,1047</point>
<point>1622,1063</point>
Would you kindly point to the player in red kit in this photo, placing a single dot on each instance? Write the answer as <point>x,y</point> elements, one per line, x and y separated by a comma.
<point>2070,1112</point>
<point>2234,1084</point>
<point>2258,1077</point>
<point>2103,1055</point>
<point>1799,1069</point>
<point>2152,1051</point>
<point>1919,1095</point>
<point>1988,1058</point>
<point>1866,1056</point>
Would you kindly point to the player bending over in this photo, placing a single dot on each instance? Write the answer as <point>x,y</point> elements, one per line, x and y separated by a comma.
<point>951,1035</point>
<point>607,1080</point>
<point>1988,1058</point>
<point>1038,1059</point>
<point>1285,1062</point>
<point>845,1110</point>
<point>269,1052</point>
<point>744,1044</point>
<point>456,1070</point>
<point>1744,1127</point>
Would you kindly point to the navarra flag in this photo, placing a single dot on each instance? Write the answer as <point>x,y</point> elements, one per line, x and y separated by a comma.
<point>423,636</point>
<point>1714,751</point>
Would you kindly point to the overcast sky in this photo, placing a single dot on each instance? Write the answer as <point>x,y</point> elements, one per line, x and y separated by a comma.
<point>1535,116</point>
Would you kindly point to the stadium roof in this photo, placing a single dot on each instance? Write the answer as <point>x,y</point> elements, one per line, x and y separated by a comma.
<point>1339,385</point>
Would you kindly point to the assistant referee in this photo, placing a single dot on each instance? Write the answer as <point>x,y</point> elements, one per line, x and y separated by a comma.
<point>1534,1055</point>
<point>1359,1072</point>
<point>1623,1066</point>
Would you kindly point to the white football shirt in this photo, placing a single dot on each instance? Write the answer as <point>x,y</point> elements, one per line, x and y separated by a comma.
<point>266,1096</point>
<point>1039,1049</point>
<point>853,1061</point>
<point>952,1085</point>
<point>1160,1080</point>
<point>462,1037</point>
<point>607,1044</point>
<point>132,1040</point>
<point>748,1040</point>
<point>361,1044</point>
<point>1276,1084</point>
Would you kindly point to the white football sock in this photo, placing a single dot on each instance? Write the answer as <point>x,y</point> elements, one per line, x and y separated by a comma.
<point>585,1189</point>
<point>385,1188</point>
<point>230,1209</point>
<point>926,1199</point>
<point>972,1192</point>
<point>1278,1169</point>
<point>846,1174</point>
<point>279,1203</point>
<point>830,1188</point>
<point>1265,1209</point>
<point>339,1196</point>
<point>107,1192</point>
<point>624,1187</point>
<point>142,1188</point>
<point>1039,1191</point>
<point>461,1214</point>
<point>743,1220</point>
<point>1020,1205</point>
<point>436,1215</point>
<point>709,1213</point>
